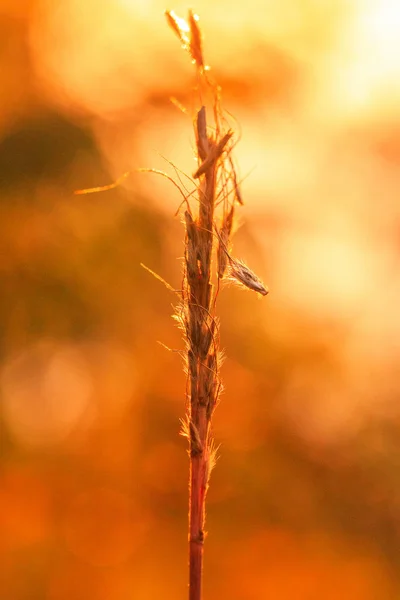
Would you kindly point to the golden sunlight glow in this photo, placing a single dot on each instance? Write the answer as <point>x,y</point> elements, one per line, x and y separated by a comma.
<point>380,22</point>
<point>331,273</point>
<point>46,394</point>
<point>364,76</point>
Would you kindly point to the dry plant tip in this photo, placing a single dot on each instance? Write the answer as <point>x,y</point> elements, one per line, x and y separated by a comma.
<point>178,26</point>
<point>174,350</point>
<point>178,104</point>
<point>201,133</point>
<point>241,273</point>
<point>103,188</point>
<point>196,49</point>
<point>159,278</point>
<point>214,154</point>
<point>238,195</point>
<point>188,32</point>
<point>224,236</point>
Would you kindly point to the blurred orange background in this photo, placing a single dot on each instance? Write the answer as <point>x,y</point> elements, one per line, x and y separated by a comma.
<point>305,499</point>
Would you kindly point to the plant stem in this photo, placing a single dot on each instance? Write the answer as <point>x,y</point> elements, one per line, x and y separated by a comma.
<point>196,313</point>
<point>202,351</point>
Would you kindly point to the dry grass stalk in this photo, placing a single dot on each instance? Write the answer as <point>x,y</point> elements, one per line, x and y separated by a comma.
<point>208,232</point>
